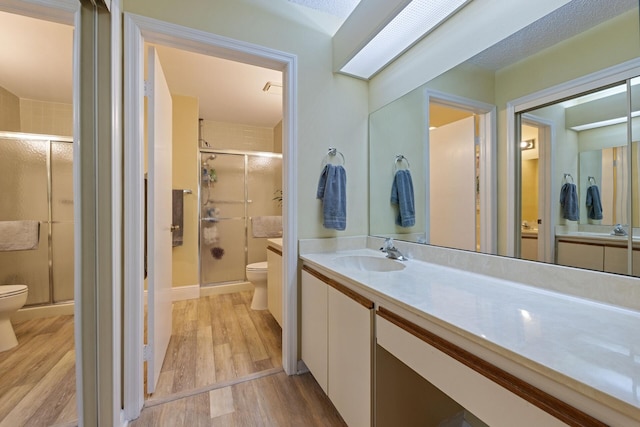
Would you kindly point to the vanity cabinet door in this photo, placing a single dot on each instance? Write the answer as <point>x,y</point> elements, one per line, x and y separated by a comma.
<point>581,255</point>
<point>274,284</point>
<point>349,358</point>
<point>313,319</point>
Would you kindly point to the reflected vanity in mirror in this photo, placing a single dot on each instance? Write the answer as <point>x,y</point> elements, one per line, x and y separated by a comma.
<point>593,183</point>
<point>513,205</point>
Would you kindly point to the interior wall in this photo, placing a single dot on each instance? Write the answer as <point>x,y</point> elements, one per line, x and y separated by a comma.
<point>332,109</point>
<point>48,118</point>
<point>237,136</point>
<point>185,176</point>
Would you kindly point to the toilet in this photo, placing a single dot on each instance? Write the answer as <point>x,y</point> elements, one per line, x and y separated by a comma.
<point>257,275</point>
<point>12,298</point>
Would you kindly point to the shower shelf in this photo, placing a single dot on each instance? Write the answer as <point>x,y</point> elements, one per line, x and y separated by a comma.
<point>229,201</point>
<point>210,219</point>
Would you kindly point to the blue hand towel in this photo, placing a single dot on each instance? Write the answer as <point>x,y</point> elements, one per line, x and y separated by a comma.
<point>332,191</point>
<point>402,195</point>
<point>594,204</point>
<point>569,202</point>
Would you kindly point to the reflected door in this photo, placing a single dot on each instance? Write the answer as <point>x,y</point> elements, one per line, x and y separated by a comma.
<point>452,190</point>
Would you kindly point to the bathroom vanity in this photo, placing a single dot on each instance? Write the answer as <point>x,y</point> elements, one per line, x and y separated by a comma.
<point>274,278</point>
<point>508,352</point>
<point>596,251</point>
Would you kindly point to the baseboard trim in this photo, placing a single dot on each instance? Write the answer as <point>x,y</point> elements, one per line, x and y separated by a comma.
<point>179,293</point>
<point>28,313</point>
<point>225,289</point>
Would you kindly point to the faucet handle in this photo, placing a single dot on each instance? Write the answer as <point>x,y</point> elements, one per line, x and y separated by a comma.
<point>388,244</point>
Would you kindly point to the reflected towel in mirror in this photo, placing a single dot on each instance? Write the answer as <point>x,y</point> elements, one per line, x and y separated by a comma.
<point>569,202</point>
<point>594,204</point>
<point>402,195</point>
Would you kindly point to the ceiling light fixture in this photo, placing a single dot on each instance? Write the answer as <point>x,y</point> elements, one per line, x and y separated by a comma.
<point>529,144</point>
<point>414,22</point>
<point>273,88</point>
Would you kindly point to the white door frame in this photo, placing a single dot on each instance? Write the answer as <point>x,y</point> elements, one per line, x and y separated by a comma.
<point>546,181</point>
<point>587,83</point>
<point>488,161</point>
<point>139,29</point>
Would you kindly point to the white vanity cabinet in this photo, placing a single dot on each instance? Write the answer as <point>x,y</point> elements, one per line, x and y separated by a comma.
<point>581,255</point>
<point>494,396</point>
<point>274,283</point>
<point>337,344</point>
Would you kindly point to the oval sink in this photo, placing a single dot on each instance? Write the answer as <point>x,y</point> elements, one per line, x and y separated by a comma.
<point>369,263</point>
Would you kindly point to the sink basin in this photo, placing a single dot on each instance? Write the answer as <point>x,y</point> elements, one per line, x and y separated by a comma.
<point>369,263</point>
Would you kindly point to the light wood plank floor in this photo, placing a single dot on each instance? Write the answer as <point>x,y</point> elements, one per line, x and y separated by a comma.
<point>216,339</point>
<point>223,367</point>
<point>37,378</point>
<point>271,400</point>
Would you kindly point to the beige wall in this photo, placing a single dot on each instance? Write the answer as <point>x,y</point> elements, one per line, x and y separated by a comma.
<point>48,118</point>
<point>332,109</point>
<point>185,176</point>
<point>237,136</point>
<point>9,111</point>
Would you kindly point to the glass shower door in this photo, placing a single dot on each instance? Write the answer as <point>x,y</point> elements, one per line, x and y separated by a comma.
<point>223,218</point>
<point>24,189</point>
<point>62,220</point>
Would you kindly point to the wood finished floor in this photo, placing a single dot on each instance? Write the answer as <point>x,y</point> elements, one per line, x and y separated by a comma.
<point>272,400</point>
<point>223,367</point>
<point>37,378</point>
<point>216,339</point>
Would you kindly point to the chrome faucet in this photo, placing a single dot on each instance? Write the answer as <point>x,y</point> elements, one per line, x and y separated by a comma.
<point>391,251</point>
<point>619,230</point>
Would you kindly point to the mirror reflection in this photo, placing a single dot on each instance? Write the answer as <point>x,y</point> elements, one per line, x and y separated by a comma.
<point>559,145</point>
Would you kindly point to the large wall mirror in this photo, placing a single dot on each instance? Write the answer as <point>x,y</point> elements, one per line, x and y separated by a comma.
<point>451,135</point>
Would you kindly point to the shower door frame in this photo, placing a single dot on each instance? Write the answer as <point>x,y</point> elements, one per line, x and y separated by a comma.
<point>246,154</point>
<point>48,140</point>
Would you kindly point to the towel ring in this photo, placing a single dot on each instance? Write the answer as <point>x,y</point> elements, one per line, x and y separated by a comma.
<point>568,175</point>
<point>332,153</point>
<point>399,158</point>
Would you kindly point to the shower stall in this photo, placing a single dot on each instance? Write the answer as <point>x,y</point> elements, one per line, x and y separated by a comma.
<point>234,187</point>
<point>36,183</point>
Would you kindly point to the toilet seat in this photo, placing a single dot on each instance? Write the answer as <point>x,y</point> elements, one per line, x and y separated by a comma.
<point>12,290</point>
<point>257,266</point>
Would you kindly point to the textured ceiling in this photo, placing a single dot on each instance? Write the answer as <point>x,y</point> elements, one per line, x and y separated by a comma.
<point>565,22</point>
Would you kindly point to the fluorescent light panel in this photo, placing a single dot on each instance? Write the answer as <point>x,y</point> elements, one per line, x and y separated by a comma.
<point>416,20</point>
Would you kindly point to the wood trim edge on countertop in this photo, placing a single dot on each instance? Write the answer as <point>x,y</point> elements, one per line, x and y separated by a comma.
<point>548,403</point>
<point>275,250</point>
<point>365,302</point>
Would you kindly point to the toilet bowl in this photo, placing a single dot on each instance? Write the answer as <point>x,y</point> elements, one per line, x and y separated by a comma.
<point>12,298</point>
<point>257,275</point>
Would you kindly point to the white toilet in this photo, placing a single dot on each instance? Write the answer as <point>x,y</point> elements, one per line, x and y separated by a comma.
<point>12,298</point>
<point>257,275</point>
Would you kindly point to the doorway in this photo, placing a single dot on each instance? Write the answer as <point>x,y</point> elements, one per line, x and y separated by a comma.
<point>473,124</point>
<point>137,32</point>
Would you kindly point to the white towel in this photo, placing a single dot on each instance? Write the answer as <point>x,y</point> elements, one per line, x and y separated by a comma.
<point>266,226</point>
<point>19,235</point>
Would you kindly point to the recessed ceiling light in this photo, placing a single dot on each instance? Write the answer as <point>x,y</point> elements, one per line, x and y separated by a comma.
<point>415,21</point>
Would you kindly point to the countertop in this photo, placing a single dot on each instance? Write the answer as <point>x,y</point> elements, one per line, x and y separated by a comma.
<point>595,346</point>
<point>276,243</point>
<point>594,237</point>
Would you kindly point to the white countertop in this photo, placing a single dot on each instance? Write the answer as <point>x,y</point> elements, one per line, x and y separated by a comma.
<point>595,344</point>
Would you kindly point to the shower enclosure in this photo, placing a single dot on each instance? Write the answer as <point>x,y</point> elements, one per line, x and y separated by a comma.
<point>234,187</point>
<point>36,183</point>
